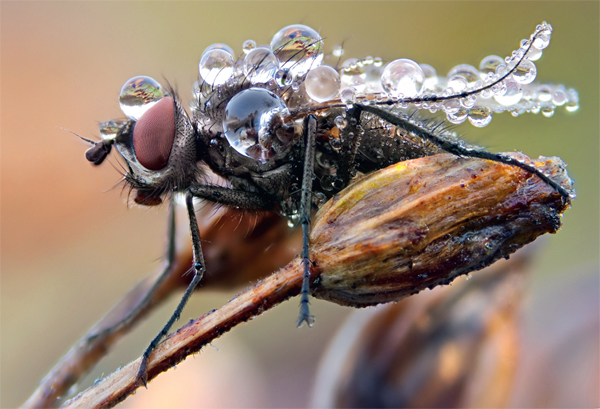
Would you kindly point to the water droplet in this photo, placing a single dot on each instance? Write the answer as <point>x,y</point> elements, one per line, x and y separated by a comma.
<point>284,78</point>
<point>534,54</point>
<point>319,199</point>
<point>480,116</point>
<point>335,143</point>
<point>559,98</point>
<point>541,41</point>
<point>458,117</point>
<point>348,96</point>
<point>322,83</point>
<point>219,46</point>
<point>340,122</point>
<point>513,94</point>
<point>109,130</point>
<point>260,65</point>
<point>338,51</point>
<point>403,76</point>
<point>431,79</point>
<point>525,73</point>
<point>457,83</point>
<point>252,118</point>
<point>248,46</point>
<point>298,48</point>
<point>451,106</point>
<point>489,64</point>
<point>368,60</point>
<point>544,93</point>
<point>216,66</point>
<point>139,94</point>
<point>572,106</point>
<point>468,72</point>
<point>468,102</point>
<point>548,111</point>
<point>353,74</point>
<point>377,61</point>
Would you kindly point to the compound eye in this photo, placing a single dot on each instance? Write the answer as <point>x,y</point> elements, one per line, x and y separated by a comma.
<point>154,133</point>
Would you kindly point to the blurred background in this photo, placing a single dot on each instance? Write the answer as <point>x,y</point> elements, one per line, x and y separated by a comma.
<point>71,248</point>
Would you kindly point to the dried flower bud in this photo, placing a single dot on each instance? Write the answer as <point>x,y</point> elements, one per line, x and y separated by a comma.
<point>421,223</point>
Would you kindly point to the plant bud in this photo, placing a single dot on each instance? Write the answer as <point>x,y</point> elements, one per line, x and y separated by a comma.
<point>421,223</point>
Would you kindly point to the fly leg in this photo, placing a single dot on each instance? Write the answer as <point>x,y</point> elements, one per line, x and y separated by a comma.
<point>135,312</point>
<point>226,196</point>
<point>452,146</point>
<point>310,134</point>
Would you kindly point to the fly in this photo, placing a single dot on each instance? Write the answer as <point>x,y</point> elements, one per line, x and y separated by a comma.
<point>288,132</point>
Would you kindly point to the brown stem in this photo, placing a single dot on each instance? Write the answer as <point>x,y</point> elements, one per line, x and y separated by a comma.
<point>192,337</point>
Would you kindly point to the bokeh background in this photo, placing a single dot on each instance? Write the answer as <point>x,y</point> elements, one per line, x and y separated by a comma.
<point>71,248</point>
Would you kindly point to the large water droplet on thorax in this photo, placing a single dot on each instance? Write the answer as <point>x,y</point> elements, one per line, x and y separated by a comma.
<point>254,123</point>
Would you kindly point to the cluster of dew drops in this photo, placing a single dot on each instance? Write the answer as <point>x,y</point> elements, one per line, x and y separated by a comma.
<point>294,59</point>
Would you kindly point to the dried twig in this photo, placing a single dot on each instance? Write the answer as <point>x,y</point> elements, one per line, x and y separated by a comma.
<point>193,336</point>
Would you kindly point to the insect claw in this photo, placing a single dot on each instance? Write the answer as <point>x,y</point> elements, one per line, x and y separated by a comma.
<point>142,374</point>
<point>305,316</point>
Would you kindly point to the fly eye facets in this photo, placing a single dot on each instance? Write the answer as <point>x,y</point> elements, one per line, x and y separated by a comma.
<point>216,65</point>
<point>322,83</point>
<point>403,76</point>
<point>298,48</point>
<point>260,65</point>
<point>252,120</point>
<point>138,95</point>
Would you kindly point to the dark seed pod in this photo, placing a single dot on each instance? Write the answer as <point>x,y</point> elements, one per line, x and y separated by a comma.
<point>421,223</point>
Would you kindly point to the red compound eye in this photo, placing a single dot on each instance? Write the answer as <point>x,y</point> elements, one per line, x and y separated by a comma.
<point>153,135</point>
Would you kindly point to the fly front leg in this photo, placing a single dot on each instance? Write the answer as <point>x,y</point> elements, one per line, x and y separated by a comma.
<point>217,194</point>
<point>310,134</point>
<point>199,267</point>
